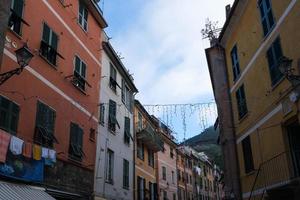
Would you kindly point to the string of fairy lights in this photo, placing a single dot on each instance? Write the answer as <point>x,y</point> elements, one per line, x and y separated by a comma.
<point>206,114</point>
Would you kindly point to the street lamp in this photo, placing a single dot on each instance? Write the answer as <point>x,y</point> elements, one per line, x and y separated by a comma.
<point>24,56</point>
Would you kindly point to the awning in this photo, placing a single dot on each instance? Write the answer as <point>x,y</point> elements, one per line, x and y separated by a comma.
<point>9,191</point>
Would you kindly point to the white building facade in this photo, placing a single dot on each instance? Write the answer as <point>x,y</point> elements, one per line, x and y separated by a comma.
<point>114,157</point>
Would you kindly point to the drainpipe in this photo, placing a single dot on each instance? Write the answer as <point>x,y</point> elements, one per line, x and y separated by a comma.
<point>134,148</point>
<point>4,17</point>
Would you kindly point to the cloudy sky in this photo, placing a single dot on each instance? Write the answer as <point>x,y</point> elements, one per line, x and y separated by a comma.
<point>162,46</point>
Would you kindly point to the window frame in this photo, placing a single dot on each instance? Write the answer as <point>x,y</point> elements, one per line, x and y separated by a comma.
<point>8,122</point>
<point>78,79</point>
<point>265,16</point>
<point>102,114</point>
<point>76,142</point>
<point>126,172</point>
<point>248,158</point>
<point>235,63</point>
<point>241,101</point>
<point>19,18</point>
<point>82,16</point>
<point>109,175</point>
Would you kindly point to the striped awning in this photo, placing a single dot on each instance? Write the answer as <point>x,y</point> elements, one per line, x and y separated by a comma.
<point>9,191</point>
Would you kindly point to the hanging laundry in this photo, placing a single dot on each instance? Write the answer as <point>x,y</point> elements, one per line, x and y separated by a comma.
<point>45,152</point>
<point>16,145</point>
<point>27,150</point>
<point>52,155</point>
<point>37,152</point>
<point>4,142</point>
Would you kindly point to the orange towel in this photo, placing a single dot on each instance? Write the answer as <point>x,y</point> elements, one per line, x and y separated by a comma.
<point>37,152</point>
<point>27,150</point>
<point>4,142</point>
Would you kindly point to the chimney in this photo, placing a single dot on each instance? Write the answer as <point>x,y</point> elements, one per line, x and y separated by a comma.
<point>227,8</point>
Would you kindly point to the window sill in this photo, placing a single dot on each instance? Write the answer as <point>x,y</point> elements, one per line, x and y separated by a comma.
<point>51,64</point>
<point>265,37</point>
<point>244,117</point>
<point>111,182</point>
<point>125,188</point>
<point>74,160</point>
<point>78,88</point>
<point>92,139</point>
<point>250,173</point>
<point>278,83</point>
<point>15,33</point>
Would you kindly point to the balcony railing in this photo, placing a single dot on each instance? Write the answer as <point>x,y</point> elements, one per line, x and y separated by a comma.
<point>150,138</point>
<point>277,172</point>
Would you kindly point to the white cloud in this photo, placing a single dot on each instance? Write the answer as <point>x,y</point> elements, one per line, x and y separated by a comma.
<point>164,49</point>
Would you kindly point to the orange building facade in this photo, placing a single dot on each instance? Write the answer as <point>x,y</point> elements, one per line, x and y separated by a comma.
<point>53,103</point>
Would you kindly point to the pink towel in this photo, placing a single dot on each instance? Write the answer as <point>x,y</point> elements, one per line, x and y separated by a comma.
<point>4,142</point>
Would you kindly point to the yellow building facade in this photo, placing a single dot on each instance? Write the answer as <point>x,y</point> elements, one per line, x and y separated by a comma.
<point>256,37</point>
<point>147,144</point>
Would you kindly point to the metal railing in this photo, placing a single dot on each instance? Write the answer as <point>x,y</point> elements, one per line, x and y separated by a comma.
<point>272,173</point>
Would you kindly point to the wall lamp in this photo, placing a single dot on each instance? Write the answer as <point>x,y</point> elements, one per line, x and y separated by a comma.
<point>24,56</point>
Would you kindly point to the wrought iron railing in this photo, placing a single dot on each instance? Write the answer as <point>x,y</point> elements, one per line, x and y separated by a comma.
<point>272,173</point>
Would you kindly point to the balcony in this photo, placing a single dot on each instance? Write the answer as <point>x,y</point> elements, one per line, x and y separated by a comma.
<point>277,178</point>
<point>150,138</point>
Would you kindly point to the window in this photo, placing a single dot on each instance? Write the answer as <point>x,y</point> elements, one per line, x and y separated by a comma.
<point>140,150</point>
<point>128,98</point>
<point>112,119</point>
<point>123,91</point>
<point>235,63</point>
<point>15,19</point>
<point>150,158</point>
<point>174,196</point>
<point>173,178</point>
<point>125,174</point>
<point>190,179</point>
<point>44,125</point>
<point>140,121</point>
<point>102,114</point>
<point>127,134</point>
<point>9,115</point>
<point>164,173</point>
<point>76,140</point>
<point>110,166</point>
<point>241,102</point>
<point>141,188</point>
<point>79,74</point>
<point>165,195</point>
<point>92,134</point>
<point>171,152</point>
<point>179,194</point>
<point>178,174</point>
<point>247,152</point>
<point>113,78</point>
<point>48,48</point>
<point>274,53</point>
<point>266,14</point>
<point>83,16</point>
<point>152,191</point>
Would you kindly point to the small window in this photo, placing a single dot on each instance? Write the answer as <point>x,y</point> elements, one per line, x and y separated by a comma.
<point>150,158</point>
<point>9,115</point>
<point>92,134</point>
<point>164,173</point>
<point>15,19</point>
<point>152,192</point>
<point>79,74</point>
<point>76,141</point>
<point>113,78</point>
<point>174,196</point>
<point>48,48</point>
<point>140,150</point>
<point>83,16</point>
<point>44,125</point>
<point>247,152</point>
<point>110,166</point>
<point>178,175</point>
<point>102,114</point>
<point>173,178</point>
<point>165,195</point>
<point>274,53</point>
<point>241,102</point>
<point>141,183</point>
<point>125,174</point>
<point>127,134</point>
<point>112,118</point>
<point>235,63</point>
<point>266,14</point>
<point>171,153</point>
<point>140,121</point>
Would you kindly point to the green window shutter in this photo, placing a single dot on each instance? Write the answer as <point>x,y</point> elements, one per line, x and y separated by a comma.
<point>83,69</point>
<point>18,7</point>
<point>77,64</point>
<point>54,40</point>
<point>46,34</point>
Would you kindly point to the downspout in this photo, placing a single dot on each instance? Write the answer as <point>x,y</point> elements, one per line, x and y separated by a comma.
<point>134,146</point>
